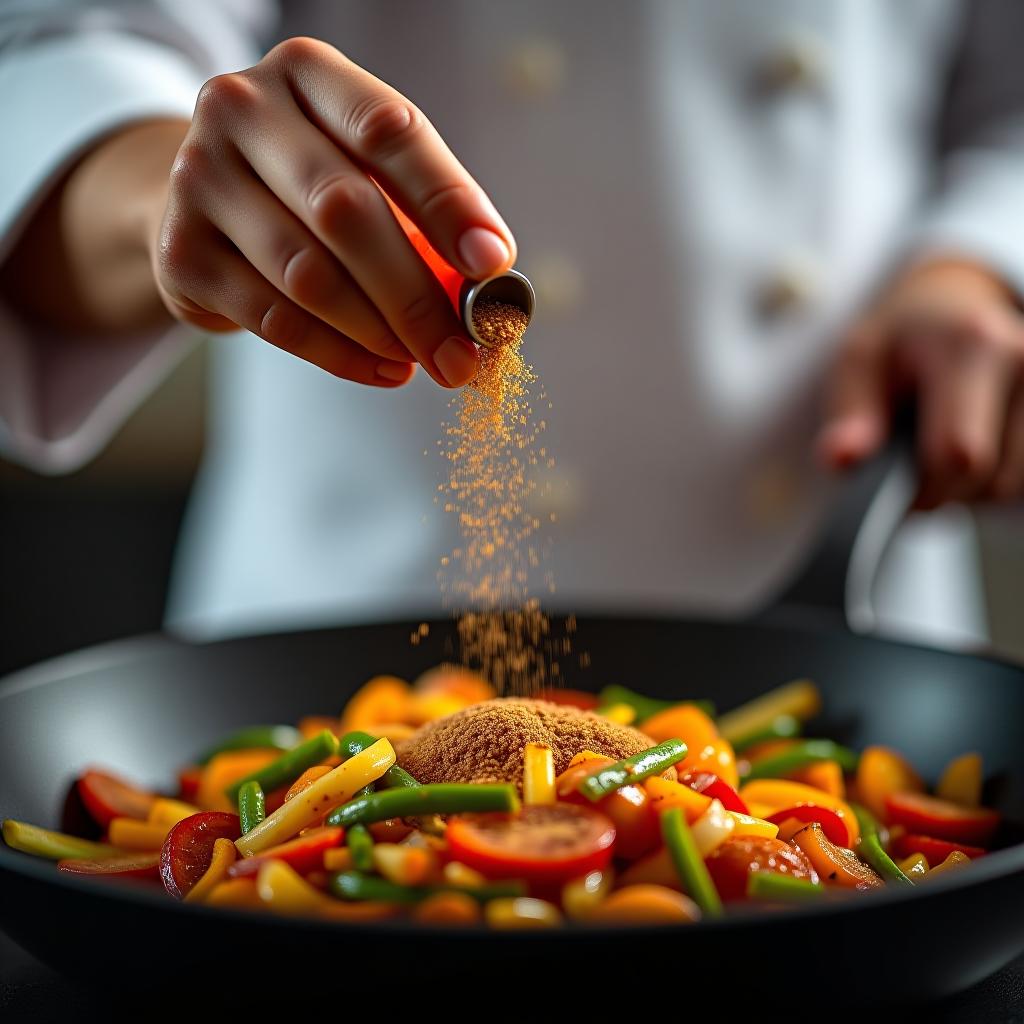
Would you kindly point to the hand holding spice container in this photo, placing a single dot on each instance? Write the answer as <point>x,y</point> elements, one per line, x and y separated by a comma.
<point>510,288</point>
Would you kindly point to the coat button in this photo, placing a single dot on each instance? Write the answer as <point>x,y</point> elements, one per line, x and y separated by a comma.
<point>798,63</point>
<point>535,69</point>
<point>790,289</point>
<point>558,282</point>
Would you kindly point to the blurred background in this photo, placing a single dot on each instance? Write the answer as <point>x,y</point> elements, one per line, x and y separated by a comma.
<point>86,558</point>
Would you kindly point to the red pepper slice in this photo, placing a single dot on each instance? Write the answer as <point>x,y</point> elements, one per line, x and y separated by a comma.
<point>934,850</point>
<point>188,848</point>
<point>304,854</point>
<point>571,698</point>
<point>188,783</point>
<point>712,786</point>
<point>930,816</point>
<point>831,824</point>
<point>129,865</point>
<point>107,797</point>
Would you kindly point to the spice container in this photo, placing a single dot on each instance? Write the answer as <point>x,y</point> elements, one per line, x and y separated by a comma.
<point>511,288</point>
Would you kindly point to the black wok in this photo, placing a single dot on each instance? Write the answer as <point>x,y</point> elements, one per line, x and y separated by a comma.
<point>143,706</point>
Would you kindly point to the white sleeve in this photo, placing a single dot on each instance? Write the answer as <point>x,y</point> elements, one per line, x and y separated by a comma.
<point>69,74</point>
<point>978,204</point>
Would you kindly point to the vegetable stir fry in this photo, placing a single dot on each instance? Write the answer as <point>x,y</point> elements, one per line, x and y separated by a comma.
<point>706,814</point>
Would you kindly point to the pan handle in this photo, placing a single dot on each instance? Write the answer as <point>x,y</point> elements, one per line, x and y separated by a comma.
<point>837,581</point>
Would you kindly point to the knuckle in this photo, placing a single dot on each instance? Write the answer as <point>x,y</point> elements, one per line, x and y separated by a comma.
<point>174,253</point>
<point>298,49</point>
<point>305,277</point>
<point>417,313</point>
<point>982,330</point>
<point>193,164</point>
<point>449,194</point>
<point>284,326</point>
<point>340,200</point>
<point>382,125</point>
<point>231,95</point>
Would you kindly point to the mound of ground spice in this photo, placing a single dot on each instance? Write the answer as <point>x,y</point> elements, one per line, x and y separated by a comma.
<point>484,742</point>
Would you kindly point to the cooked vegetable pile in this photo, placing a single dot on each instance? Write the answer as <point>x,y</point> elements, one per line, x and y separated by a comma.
<point>323,820</point>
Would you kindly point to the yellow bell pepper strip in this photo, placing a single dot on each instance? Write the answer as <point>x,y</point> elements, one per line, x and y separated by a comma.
<point>781,727</point>
<point>235,894</point>
<point>224,854</point>
<point>688,862</point>
<point>335,788</point>
<point>961,781</point>
<point>800,699</point>
<point>166,811</point>
<point>290,765</point>
<point>538,774</point>
<point>953,862</point>
<point>395,777</point>
<point>276,737</point>
<point>646,707</point>
<point>285,891</point>
<point>623,714</point>
<point>712,829</point>
<point>462,876</point>
<point>665,794</point>
<point>629,770</point>
<point>403,864</point>
<point>354,885</point>
<point>252,805</point>
<point>774,795</point>
<point>776,888</point>
<point>801,754</point>
<point>581,896</point>
<point>521,914</point>
<point>131,834</point>
<point>748,825</point>
<point>436,798</point>
<point>870,849</point>
<point>645,905</point>
<point>880,773</point>
<point>915,867</point>
<point>42,842</point>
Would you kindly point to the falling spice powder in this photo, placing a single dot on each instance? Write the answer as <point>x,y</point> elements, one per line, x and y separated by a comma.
<point>492,452</point>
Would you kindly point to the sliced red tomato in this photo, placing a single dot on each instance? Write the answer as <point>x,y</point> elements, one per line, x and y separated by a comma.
<point>629,808</point>
<point>738,857</point>
<point>543,845</point>
<point>188,848</point>
<point>831,824</point>
<point>107,797</point>
<point>711,785</point>
<point>573,698</point>
<point>304,854</point>
<point>129,865</point>
<point>930,816</point>
<point>934,850</point>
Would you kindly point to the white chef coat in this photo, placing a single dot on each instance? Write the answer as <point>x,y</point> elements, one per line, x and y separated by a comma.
<point>704,194</point>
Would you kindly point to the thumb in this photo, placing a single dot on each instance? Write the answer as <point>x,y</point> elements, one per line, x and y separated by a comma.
<point>857,401</point>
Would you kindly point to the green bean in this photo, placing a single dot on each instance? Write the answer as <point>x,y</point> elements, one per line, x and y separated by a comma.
<point>290,765</point>
<point>360,842</point>
<point>352,885</point>
<point>688,862</point>
<point>632,769</point>
<point>871,851</point>
<point>280,737</point>
<point>782,727</point>
<point>799,755</point>
<point>647,707</point>
<point>356,742</point>
<point>252,805</point>
<point>767,885</point>
<point>436,798</point>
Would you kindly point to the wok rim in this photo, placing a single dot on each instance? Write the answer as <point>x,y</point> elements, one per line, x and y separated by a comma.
<point>996,865</point>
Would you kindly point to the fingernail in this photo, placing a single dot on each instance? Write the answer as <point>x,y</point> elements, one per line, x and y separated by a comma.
<point>395,371</point>
<point>456,359</point>
<point>482,251</point>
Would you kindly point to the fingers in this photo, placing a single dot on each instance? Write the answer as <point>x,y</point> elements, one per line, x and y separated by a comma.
<point>347,213</point>
<point>385,133</point>
<point>857,417</point>
<point>286,253</point>
<point>964,389</point>
<point>213,284</point>
<point>1008,481</point>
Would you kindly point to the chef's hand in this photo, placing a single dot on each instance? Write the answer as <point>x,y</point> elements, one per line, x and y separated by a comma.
<point>950,336</point>
<point>274,224</point>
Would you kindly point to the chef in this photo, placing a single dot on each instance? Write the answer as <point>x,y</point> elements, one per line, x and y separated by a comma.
<point>753,228</point>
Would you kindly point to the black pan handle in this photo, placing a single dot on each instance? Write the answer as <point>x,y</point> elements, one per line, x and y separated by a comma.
<point>837,580</point>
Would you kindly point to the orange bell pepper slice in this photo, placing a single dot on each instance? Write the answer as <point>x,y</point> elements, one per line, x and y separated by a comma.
<point>881,772</point>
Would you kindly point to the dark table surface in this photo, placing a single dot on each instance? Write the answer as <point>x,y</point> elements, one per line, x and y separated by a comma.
<point>30,991</point>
